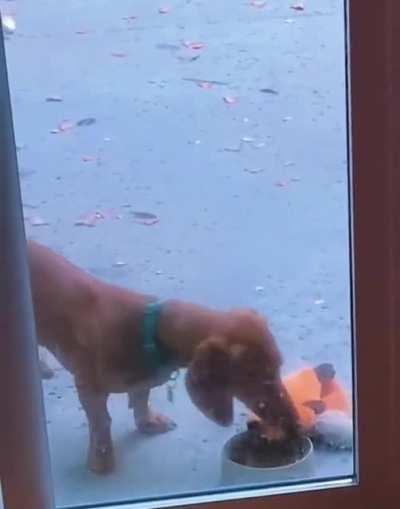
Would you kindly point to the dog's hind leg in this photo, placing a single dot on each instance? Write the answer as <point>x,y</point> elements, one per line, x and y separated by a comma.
<point>100,454</point>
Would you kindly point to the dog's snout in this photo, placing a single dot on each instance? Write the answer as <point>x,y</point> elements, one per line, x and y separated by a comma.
<point>274,433</point>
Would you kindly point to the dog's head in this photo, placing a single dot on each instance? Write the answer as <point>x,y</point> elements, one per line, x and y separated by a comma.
<point>242,362</point>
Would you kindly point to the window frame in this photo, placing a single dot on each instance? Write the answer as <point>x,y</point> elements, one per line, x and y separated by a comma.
<point>374,29</point>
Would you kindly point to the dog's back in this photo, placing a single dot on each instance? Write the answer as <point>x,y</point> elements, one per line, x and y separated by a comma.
<point>86,323</point>
<point>59,292</point>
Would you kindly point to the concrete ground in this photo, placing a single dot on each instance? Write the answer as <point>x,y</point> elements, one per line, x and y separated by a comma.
<point>243,184</point>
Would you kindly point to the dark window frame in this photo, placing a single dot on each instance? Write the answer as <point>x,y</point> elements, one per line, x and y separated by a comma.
<point>375,124</point>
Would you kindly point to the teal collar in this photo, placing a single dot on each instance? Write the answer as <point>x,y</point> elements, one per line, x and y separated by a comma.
<point>156,354</point>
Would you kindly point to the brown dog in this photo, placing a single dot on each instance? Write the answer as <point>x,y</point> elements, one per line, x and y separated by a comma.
<point>96,331</point>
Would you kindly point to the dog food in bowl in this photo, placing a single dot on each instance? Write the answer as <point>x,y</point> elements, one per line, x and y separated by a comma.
<point>249,458</point>
<point>253,451</point>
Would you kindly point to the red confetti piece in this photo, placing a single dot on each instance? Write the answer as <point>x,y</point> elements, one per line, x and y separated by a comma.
<point>230,100</point>
<point>206,85</point>
<point>282,183</point>
<point>38,221</point>
<point>110,214</point>
<point>63,127</point>
<point>195,45</point>
<point>90,220</point>
<point>258,4</point>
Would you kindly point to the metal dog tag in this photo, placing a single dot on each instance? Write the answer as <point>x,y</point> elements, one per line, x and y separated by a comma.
<point>171,386</point>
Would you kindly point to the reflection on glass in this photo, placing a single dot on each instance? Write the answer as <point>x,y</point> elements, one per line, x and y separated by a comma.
<point>184,177</point>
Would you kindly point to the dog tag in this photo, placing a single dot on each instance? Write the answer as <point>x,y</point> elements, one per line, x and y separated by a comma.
<point>171,386</point>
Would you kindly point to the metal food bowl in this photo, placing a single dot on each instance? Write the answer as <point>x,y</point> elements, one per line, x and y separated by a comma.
<point>236,473</point>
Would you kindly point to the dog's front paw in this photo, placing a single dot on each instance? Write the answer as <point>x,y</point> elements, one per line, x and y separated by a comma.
<point>155,423</point>
<point>101,460</point>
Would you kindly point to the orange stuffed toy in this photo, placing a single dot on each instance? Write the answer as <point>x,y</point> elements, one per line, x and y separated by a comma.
<point>314,391</point>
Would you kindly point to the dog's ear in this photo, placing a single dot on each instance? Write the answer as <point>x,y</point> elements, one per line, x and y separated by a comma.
<point>208,381</point>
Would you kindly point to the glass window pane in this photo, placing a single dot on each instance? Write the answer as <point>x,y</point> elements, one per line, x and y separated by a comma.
<point>185,183</point>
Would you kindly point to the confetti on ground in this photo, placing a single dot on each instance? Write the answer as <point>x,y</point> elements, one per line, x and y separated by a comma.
<point>38,221</point>
<point>289,21</point>
<point>205,85</point>
<point>254,171</point>
<point>90,219</point>
<point>198,81</point>
<point>63,127</point>
<point>318,302</point>
<point>119,263</point>
<point>53,99</point>
<point>247,139</point>
<point>228,99</point>
<point>299,6</point>
<point>118,54</point>
<point>259,289</point>
<point>282,183</point>
<point>89,159</point>
<point>165,10</point>
<point>287,119</point>
<point>195,45</point>
<point>110,214</point>
<point>233,149</point>
<point>258,4</point>
<point>86,121</point>
<point>269,91</point>
<point>82,32</point>
<point>144,215</point>
<point>145,218</point>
